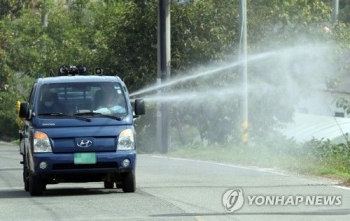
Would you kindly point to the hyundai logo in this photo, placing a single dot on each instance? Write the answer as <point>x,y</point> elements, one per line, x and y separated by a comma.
<point>84,143</point>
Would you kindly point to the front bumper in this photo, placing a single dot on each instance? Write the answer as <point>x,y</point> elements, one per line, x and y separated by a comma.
<point>50,164</point>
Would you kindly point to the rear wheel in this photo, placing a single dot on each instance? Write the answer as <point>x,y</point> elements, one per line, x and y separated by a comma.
<point>128,182</point>
<point>35,185</point>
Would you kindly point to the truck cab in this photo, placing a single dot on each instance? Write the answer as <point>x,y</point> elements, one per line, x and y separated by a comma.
<point>79,128</point>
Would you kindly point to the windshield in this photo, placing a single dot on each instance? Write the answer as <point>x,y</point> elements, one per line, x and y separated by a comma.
<point>102,98</point>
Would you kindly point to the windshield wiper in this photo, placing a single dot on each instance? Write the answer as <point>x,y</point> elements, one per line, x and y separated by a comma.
<point>91,113</point>
<point>66,115</point>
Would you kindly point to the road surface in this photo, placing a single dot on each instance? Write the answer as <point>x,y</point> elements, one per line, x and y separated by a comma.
<point>177,189</point>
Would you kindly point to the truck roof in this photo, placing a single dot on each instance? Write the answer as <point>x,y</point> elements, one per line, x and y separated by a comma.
<point>79,78</point>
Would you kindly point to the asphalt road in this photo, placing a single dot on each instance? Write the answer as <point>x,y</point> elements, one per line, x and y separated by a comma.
<point>176,189</point>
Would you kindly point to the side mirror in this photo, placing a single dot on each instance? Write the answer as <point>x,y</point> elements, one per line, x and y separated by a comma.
<point>24,111</point>
<point>139,107</point>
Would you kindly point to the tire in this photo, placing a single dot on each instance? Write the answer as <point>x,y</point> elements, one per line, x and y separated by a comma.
<point>25,175</point>
<point>108,184</point>
<point>26,185</point>
<point>35,186</point>
<point>21,147</point>
<point>128,182</point>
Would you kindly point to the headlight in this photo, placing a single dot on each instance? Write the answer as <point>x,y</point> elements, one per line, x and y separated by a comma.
<point>126,140</point>
<point>41,142</point>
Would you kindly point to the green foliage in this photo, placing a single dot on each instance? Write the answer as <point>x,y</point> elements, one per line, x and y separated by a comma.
<point>203,32</point>
<point>336,156</point>
<point>14,8</point>
<point>277,23</point>
<point>8,98</point>
<point>343,103</point>
<point>134,45</point>
<point>121,37</point>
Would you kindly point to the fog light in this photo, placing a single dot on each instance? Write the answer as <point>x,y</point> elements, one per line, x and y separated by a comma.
<point>43,165</point>
<point>126,162</point>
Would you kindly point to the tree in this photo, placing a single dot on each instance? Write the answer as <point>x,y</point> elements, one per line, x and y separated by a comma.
<point>121,37</point>
<point>13,8</point>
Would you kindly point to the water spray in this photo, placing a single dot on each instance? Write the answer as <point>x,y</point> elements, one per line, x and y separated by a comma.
<point>198,95</point>
<point>191,77</point>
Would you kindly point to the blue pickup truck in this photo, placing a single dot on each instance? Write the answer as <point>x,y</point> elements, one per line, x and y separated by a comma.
<point>79,128</point>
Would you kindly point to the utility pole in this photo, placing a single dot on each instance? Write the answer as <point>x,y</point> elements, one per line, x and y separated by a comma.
<point>45,15</point>
<point>335,11</point>
<point>243,60</point>
<point>163,72</point>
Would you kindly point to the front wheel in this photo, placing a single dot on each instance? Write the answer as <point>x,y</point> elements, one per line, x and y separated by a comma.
<point>35,185</point>
<point>128,182</point>
<point>25,174</point>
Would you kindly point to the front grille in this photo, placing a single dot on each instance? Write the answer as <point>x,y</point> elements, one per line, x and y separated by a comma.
<point>98,165</point>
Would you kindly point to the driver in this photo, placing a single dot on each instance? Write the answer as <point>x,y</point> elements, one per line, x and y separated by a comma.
<point>49,103</point>
<point>109,102</point>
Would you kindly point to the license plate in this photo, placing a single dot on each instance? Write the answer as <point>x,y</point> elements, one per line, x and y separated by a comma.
<point>84,158</point>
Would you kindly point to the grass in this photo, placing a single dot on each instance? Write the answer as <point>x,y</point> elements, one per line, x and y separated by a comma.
<point>15,142</point>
